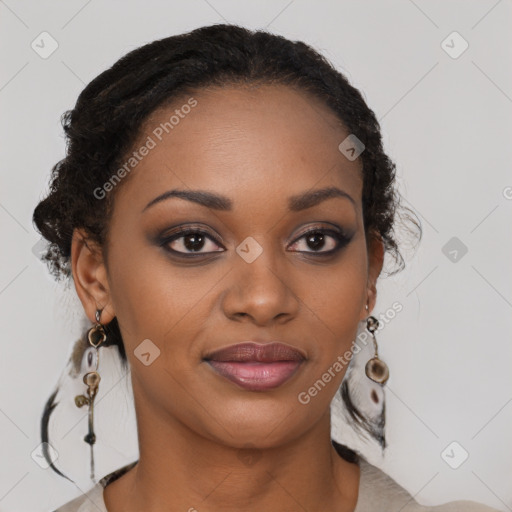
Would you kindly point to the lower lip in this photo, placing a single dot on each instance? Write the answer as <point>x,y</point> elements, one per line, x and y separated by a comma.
<point>256,376</point>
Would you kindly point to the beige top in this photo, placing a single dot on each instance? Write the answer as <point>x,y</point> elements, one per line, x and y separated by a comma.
<point>377,493</point>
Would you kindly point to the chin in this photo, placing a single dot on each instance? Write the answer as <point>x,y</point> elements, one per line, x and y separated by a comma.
<point>265,425</point>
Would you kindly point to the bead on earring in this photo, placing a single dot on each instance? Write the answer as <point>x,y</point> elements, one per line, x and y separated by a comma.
<point>96,336</point>
<point>375,369</point>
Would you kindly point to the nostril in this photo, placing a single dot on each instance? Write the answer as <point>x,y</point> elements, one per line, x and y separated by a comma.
<point>374,396</point>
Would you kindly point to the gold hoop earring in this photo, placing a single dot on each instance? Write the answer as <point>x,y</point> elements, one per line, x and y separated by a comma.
<point>96,336</point>
<point>375,369</point>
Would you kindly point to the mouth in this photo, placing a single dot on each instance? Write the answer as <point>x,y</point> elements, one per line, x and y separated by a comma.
<point>256,367</point>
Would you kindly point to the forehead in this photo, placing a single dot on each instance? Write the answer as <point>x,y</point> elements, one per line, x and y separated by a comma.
<point>243,139</point>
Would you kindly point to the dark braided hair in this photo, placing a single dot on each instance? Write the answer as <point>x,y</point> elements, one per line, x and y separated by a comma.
<point>110,112</point>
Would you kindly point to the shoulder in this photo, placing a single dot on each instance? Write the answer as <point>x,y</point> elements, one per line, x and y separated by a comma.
<point>377,488</point>
<point>92,500</point>
<point>462,506</point>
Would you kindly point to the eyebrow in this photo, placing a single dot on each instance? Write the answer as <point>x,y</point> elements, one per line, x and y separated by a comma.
<point>219,202</point>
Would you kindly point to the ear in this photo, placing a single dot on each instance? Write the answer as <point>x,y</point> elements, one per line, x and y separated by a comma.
<point>90,277</point>
<point>375,263</point>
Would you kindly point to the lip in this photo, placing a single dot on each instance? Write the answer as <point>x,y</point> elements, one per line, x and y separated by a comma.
<point>256,367</point>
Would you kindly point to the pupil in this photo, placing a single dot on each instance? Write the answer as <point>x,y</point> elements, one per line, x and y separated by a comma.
<point>194,242</point>
<point>319,237</point>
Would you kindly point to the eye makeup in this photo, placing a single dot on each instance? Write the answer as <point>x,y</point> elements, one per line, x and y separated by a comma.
<point>194,241</point>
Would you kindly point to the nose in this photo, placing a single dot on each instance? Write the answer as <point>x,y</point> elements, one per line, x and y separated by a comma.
<point>260,292</point>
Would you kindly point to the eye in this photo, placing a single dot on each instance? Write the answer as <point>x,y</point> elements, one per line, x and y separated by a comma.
<point>321,241</point>
<point>187,241</point>
<point>193,242</point>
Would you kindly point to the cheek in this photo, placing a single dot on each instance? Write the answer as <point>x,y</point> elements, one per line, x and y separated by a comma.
<point>336,308</point>
<point>158,301</point>
<point>338,297</point>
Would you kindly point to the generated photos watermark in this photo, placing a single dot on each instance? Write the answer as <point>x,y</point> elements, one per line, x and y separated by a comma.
<point>150,143</point>
<point>342,361</point>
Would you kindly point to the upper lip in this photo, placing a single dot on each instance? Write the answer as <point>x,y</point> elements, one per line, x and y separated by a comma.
<point>252,351</point>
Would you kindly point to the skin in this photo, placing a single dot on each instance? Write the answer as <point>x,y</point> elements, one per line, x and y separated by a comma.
<point>257,146</point>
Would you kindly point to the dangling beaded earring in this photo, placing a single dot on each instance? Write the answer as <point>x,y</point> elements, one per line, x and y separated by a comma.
<point>375,369</point>
<point>96,336</point>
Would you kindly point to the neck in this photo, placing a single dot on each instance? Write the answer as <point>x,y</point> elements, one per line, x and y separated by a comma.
<point>181,470</point>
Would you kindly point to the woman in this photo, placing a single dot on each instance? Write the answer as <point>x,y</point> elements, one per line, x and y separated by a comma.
<point>223,210</point>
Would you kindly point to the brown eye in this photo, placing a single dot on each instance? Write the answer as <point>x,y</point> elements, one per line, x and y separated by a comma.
<point>320,241</point>
<point>191,241</point>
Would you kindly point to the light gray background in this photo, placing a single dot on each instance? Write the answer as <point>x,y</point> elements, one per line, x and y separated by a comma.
<point>446,124</point>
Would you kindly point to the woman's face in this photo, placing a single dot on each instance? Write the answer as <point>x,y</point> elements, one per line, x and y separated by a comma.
<point>249,271</point>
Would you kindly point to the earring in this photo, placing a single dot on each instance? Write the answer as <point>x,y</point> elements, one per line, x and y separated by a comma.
<point>96,336</point>
<point>375,369</point>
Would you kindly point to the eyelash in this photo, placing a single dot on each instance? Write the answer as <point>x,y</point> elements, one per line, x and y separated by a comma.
<point>340,237</point>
